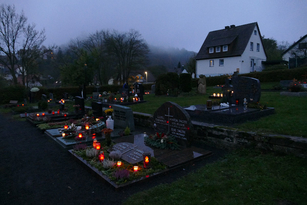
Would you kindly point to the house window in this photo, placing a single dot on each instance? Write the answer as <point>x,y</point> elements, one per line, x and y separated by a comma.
<point>218,49</point>
<point>221,62</point>
<point>225,48</point>
<point>251,46</point>
<point>211,63</point>
<point>211,50</point>
<point>258,47</point>
<point>255,32</point>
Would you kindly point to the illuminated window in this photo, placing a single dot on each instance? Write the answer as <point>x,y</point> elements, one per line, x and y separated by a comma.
<point>221,62</point>
<point>218,49</point>
<point>225,48</point>
<point>211,63</point>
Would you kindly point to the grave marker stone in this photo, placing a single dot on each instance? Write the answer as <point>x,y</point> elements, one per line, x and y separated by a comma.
<point>239,87</point>
<point>172,119</point>
<point>139,90</point>
<point>123,117</point>
<point>97,109</point>
<point>79,103</point>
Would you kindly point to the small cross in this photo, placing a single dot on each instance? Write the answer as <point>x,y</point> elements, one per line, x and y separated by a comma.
<point>168,115</point>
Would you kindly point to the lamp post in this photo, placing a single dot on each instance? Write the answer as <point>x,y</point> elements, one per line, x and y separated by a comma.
<point>146,75</point>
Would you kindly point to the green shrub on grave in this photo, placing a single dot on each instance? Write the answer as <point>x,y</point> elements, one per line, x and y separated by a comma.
<point>43,105</point>
<point>185,81</point>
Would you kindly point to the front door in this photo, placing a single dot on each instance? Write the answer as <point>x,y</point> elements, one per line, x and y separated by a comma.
<point>252,65</point>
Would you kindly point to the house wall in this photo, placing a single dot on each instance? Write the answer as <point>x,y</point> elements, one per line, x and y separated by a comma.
<point>248,55</point>
<point>230,66</point>
<point>289,54</point>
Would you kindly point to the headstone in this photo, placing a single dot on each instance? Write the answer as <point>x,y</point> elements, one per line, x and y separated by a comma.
<point>202,87</point>
<point>153,88</point>
<point>95,95</point>
<point>123,117</point>
<point>239,87</point>
<point>65,95</point>
<point>79,103</point>
<point>44,97</point>
<point>139,90</point>
<point>124,92</point>
<point>97,109</point>
<point>51,96</point>
<point>172,119</point>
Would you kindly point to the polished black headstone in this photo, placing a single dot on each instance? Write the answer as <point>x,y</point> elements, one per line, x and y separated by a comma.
<point>172,119</point>
<point>139,90</point>
<point>239,87</point>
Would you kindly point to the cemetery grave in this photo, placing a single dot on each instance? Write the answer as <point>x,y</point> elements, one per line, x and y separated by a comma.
<point>132,158</point>
<point>242,95</point>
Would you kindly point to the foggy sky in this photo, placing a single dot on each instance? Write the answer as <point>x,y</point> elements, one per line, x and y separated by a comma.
<point>169,23</point>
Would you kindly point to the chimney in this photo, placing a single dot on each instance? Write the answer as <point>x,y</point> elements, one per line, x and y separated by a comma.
<point>226,27</point>
<point>232,26</point>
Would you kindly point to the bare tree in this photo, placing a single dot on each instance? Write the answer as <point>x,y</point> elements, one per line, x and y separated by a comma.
<point>11,29</point>
<point>31,51</point>
<point>129,50</point>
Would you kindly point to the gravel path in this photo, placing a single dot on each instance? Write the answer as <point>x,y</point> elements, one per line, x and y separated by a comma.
<point>34,169</point>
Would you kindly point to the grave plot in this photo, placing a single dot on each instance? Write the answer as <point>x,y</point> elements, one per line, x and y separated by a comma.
<point>242,95</point>
<point>139,157</point>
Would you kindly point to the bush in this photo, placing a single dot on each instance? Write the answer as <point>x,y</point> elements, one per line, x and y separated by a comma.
<point>275,67</point>
<point>167,83</point>
<point>43,105</point>
<point>12,93</point>
<point>185,82</point>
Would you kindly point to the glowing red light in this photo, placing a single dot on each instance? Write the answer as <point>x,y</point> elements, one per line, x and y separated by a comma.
<point>37,114</point>
<point>58,111</point>
<point>101,157</point>
<point>65,126</point>
<point>43,114</point>
<point>98,145</point>
<point>65,115</point>
<point>80,135</point>
<point>53,112</point>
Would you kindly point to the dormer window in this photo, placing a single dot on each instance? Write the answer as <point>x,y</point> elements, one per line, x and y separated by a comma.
<point>218,49</point>
<point>225,48</point>
<point>211,50</point>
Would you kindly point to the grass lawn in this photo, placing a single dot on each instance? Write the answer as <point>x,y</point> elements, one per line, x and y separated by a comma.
<point>242,177</point>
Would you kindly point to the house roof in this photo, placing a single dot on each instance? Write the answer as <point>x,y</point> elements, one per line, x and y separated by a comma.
<point>294,44</point>
<point>236,37</point>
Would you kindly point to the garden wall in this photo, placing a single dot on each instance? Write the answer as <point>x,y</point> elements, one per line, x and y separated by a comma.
<point>230,138</point>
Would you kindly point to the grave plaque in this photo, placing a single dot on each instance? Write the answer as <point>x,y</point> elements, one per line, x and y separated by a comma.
<point>79,103</point>
<point>123,117</point>
<point>239,87</point>
<point>172,119</point>
<point>131,153</point>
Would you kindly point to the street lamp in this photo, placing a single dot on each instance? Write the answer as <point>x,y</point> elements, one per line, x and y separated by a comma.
<point>146,75</point>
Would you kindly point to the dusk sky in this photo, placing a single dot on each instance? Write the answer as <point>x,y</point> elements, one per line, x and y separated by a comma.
<point>169,23</point>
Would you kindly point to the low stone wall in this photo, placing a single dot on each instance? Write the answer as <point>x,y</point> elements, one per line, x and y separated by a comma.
<point>230,138</point>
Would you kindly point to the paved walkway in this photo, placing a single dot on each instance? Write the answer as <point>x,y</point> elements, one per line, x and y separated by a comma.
<point>34,169</point>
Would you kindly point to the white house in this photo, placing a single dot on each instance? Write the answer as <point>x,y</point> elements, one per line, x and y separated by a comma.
<point>235,48</point>
<point>296,53</point>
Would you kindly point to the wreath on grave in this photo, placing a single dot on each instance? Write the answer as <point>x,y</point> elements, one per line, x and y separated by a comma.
<point>162,141</point>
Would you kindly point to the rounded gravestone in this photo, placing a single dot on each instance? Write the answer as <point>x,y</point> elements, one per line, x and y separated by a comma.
<point>172,119</point>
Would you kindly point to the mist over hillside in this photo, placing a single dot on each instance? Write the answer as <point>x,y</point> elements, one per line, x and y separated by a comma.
<point>168,57</point>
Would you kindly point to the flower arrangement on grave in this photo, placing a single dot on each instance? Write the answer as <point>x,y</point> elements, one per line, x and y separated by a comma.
<point>109,111</point>
<point>39,117</point>
<point>107,133</point>
<point>162,141</point>
<point>70,132</point>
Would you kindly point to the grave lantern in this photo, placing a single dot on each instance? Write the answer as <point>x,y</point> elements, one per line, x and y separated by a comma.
<point>63,134</point>
<point>135,168</point>
<point>101,156</point>
<point>58,111</point>
<point>87,127</point>
<point>97,119</point>
<point>237,101</point>
<point>146,160</point>
<point>119,163</point>
<point>53,112</point>
<point>65,115</point>
<point>43,114</point>
<point>98,146</point>
<point>37,114</point>
<point>65,127</point>
<point>80,135</point>
<point>214,94</point>
<point>94,143</point>
<point>93,135</point>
